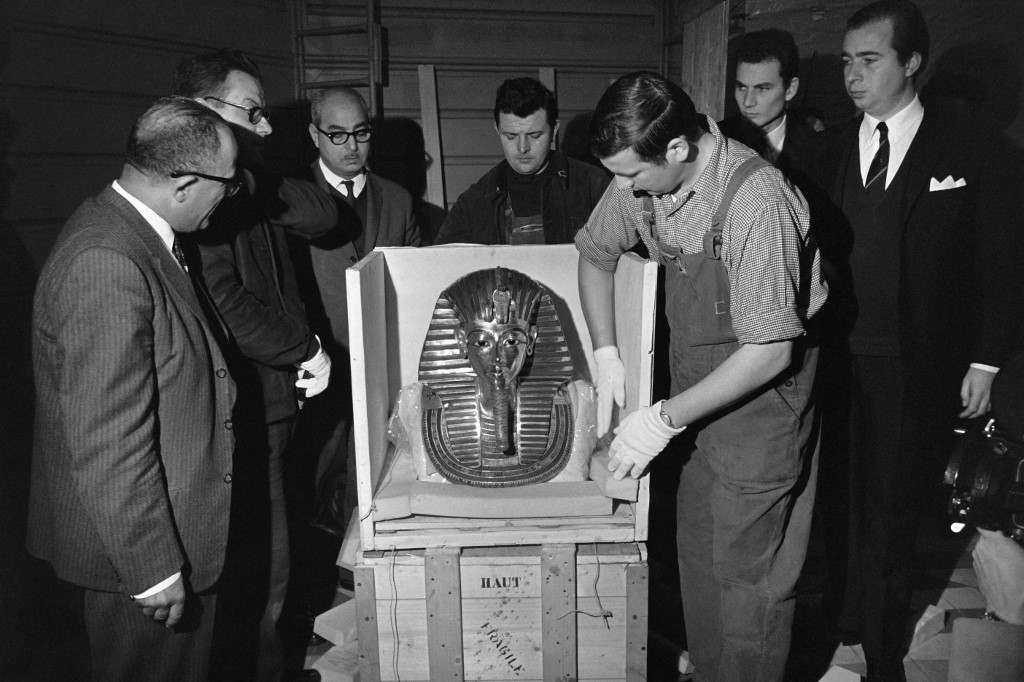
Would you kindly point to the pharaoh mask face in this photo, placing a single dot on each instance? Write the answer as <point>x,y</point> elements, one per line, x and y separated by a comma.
<point>498,348</point>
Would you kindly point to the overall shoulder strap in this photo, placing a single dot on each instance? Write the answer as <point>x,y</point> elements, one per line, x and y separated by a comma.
<point>713,238</point>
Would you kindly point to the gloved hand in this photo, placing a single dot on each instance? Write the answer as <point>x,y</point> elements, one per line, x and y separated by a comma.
<point>638,439</point>
<point>319,367</point>
<point>611,385</point>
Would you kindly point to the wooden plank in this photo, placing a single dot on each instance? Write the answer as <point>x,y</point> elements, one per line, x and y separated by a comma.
<point>636,622</point>
<point>443,585</point>
<point>582,498</point>
<point>430,120</point>
<point>558,597</point>
<point>622,516</point>
<point>704,54</point>
<point>366,624</point>
<point>368,361</point>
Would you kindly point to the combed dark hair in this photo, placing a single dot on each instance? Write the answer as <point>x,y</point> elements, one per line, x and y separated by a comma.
<point>771,43</point>
<point>642,111</point>
<point>909,29</point>
<point>522,97</point>
<point>175,133</point>
<point>316,101</point>
<point>204,74</point>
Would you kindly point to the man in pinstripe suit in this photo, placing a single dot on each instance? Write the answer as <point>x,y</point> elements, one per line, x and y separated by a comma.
<point>132,456</point>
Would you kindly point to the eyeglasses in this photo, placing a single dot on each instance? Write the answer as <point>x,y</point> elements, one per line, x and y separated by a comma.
<point>231,185</point>
<point>340,137</point>
<point>256,114</point>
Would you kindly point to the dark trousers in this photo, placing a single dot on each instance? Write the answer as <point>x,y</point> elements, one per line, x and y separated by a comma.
<point>898,447</point>
<point>255,578</point>
<point>126,645</point>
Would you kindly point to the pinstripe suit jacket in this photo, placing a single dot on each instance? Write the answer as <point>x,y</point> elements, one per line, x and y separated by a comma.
<point>132,450</point>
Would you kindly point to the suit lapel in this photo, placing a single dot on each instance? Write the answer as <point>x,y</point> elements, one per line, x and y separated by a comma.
<point>925,152</point>
<point>374,207</point>
<point>141,233</point>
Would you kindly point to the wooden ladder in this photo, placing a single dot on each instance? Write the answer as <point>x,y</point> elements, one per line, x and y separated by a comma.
<point>337,23</point>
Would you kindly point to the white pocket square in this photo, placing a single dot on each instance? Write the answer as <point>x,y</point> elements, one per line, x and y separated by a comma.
<point>948,183</point>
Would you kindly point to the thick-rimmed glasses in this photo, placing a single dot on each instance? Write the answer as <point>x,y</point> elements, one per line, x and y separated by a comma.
<point>340,137</point>
<point>231,185</point>
<point>256,114</point>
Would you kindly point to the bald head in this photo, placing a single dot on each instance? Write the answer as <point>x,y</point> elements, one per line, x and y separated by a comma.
<point>339,115</point>
<point>336,98</point>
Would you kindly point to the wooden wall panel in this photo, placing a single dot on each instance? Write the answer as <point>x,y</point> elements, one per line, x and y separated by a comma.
<point>704,59</point>
<point>475,45</point>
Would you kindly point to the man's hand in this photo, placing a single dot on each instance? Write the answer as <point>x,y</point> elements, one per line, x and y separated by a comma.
<point>976,392</point>
<point>167,606</point>
<point>999,563</point>
<point>611,385</point>
<point>638,439</point>
<point>319,367</point>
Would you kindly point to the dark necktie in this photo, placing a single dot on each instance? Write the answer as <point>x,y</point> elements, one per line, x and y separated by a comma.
<point>875,184</point>
<point>350,191</point>
<point>179,255</point>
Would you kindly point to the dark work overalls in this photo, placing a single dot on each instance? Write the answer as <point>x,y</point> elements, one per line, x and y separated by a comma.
<point>747,488</point>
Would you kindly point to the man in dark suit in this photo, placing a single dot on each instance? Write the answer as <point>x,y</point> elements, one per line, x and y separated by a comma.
<point>246,265</point>
<point>924,304</point>
<point>373,211</point>
<point>767,80</point>
<point>132,463</point>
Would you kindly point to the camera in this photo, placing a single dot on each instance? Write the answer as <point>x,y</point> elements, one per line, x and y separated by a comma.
<point>986,471</point>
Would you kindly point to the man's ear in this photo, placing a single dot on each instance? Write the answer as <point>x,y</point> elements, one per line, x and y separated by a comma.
<point>792,88</point>
<point>183,187</point>
<point>680,150</point>
<point>554,133</point>
<point>913,64</point>
<point>313,134</point>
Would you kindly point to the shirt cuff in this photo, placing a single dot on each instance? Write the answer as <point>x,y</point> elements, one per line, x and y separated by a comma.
<point>987,368</point>
<point>159,587</point>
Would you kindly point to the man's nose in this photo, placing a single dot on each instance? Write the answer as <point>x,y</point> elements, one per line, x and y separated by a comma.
<point>351,143</point>
<point>263,128</point>
<point>852,74</point>
<point>522,144</point>
<point>623,183</point>
<point>749,99</point>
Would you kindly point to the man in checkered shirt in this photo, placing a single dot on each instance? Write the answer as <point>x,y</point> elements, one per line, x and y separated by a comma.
<point>738,300</point>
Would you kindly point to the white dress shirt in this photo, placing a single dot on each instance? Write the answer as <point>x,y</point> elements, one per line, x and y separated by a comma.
<point>902,126</point>
<point>336,181</point>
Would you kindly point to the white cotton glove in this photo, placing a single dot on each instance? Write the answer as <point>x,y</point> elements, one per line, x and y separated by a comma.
<point>315,373</point>
<point>611,385</point>
<point>638,439</point>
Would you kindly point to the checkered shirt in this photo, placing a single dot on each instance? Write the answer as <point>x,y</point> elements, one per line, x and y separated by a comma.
<point>765,242</point>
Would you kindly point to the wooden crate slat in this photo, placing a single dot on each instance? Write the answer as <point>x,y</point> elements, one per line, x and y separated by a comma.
<point>443,585</point>
<point>558,624</point>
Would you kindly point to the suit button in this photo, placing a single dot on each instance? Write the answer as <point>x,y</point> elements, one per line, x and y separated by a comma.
<point>227,478</point>
<point>352,259</point>
<point>788,383</point>
<point>227,424</point>
<point>221,373</point>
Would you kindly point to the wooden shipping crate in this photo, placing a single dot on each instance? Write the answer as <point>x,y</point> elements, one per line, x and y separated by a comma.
<point>391,297</point>
<point>551,612</point>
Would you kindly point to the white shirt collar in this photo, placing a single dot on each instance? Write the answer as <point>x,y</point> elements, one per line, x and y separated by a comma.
<point>335,180</point>
<point>899,124</point>
<point>162,227</point>
<point>777,137</point>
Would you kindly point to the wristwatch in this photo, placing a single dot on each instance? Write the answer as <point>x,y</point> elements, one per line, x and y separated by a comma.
<point>664,417</point>
<point>992,617</point>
